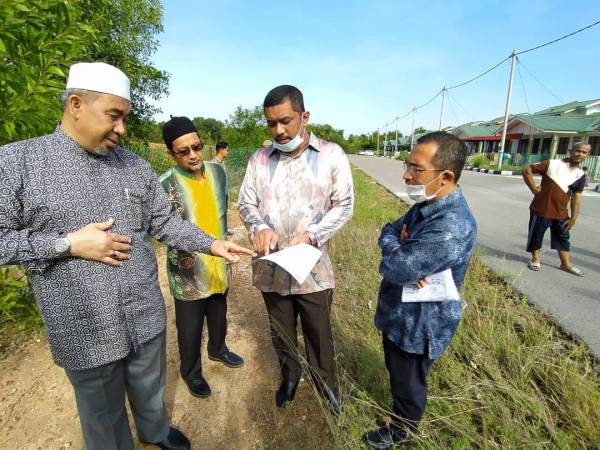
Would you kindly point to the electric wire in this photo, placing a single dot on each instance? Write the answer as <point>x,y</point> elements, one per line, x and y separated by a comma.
<point>481,74</point>
<point>558,39</point>
<point>429,101</point>
<point>539,82</point>
<point>468,115</point>
<point>451,105</point>
<point>414,109</point>
<point>523,86</point>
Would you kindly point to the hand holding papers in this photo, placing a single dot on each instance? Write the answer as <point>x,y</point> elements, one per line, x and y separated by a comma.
<point>297,260</point>
<point>440,288</point>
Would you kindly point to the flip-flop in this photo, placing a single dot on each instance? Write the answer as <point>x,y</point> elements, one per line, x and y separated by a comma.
<point>573,270</point>
<point>534,265</point>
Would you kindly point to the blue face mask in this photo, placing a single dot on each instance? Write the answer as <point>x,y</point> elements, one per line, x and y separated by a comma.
<point>291,145</point>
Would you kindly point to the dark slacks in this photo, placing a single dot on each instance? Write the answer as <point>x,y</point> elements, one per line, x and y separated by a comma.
<point>559,235</point>
<point>314,310</point>
<point>100,395</point>
<point>408,381</point>
<point>189,318</point>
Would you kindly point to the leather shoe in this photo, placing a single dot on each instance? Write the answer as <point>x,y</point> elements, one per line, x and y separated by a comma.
<point>198,388</point>
<point>384,438</point>
<point>175,440</point>
<point>228,358</point>
<point>286,392</point>
<point>335,401</point>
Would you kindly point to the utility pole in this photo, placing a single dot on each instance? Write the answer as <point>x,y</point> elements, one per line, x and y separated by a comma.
<point>412,133</point>
<point>385,139</point>
<point>396,149</point>
<point>378,140</point>
<point>442,109</point>
<point>507,108</point>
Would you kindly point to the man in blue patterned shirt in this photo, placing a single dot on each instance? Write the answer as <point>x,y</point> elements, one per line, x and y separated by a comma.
<point>436,234</point>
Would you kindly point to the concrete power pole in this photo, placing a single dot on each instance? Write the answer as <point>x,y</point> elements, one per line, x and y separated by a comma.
<point>507,108</point>
<point>442,109</point>
<point>396,149</point>
<point>385,139</point>
<point>412,133</point>
<point>378,141</point>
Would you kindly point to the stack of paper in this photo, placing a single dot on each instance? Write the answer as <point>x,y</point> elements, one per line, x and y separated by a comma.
<point>297,260</point>
<point>440,288</point>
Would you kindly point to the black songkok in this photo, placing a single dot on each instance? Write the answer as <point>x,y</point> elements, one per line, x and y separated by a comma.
<point>175,128</point>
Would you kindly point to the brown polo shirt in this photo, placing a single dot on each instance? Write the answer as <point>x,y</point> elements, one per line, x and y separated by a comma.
<point>559,182</point>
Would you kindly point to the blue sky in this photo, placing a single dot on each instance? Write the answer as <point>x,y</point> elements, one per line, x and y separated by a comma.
<point>362,63</point>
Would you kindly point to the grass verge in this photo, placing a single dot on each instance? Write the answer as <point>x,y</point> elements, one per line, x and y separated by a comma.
<point>510,379</point>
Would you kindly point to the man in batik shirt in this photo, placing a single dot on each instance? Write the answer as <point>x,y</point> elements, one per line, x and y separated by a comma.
<point>198,282</point>
<point>437,234</point>
<point>77,210</point>
<point>297,190</point>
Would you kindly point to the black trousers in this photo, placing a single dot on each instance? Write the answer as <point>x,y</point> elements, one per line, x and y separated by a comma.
<point>408,381</point>
<point>313,309</point>
<point>189,318</point>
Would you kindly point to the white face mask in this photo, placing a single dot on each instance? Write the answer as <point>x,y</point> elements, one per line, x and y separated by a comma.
<point>416,192</point>
<point>291,145</point>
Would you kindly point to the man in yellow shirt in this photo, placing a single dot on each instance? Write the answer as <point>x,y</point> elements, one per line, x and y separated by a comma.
<point>199,283</point>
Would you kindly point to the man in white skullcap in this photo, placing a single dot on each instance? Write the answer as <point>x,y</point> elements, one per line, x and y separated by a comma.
<point>77,211</point>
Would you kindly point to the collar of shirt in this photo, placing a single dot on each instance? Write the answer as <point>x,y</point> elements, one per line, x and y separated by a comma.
<point>313,142</point>
<point>73,146</point>
<point>186,174</point>
<point>443,203</point>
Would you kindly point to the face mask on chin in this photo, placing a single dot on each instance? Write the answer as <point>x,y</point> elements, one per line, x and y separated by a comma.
<point>292,145</point>
<point>417,192</point>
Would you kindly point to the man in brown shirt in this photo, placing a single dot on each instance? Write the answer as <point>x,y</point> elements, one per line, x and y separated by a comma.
<point>563,181</point>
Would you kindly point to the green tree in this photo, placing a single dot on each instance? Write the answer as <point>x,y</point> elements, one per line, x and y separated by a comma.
<point>39,40</point>
<point>327,132</point>
<point>155,133</point>
<point>125,36</point>
<point>360,142</point>
<point>245,128</point>
<point>209,128</point>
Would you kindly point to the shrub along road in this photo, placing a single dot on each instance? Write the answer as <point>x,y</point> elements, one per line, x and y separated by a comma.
<point>500,205</point>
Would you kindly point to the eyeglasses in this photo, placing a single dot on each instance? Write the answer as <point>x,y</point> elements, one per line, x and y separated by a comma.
<point>409,167</point>
<point>185,151</point>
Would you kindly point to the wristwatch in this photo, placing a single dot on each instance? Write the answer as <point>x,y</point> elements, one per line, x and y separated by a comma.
<point>62,246</point>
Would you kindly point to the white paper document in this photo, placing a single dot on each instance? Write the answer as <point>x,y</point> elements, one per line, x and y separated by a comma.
<point>440,288</point>
<point>297,260</point>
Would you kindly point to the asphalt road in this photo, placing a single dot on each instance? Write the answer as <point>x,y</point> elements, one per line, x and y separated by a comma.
<point>500,205</point>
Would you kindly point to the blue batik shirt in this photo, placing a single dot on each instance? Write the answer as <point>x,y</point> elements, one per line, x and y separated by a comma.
<point>441,235</point>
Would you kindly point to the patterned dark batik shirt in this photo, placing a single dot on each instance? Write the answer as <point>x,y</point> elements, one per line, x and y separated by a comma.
<point>50,186</point>
<point>441,235</point>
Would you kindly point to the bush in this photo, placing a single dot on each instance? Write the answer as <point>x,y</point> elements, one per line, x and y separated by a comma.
<point>402,156</point>
<point>17,303</point>
<point>480,161</point>
<point>155,155</point>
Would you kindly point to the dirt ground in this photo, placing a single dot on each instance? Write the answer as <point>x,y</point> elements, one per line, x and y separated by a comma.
<point>37,405</point>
